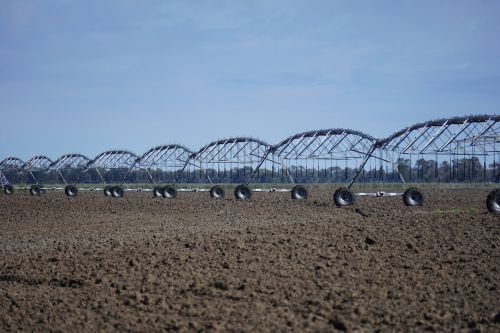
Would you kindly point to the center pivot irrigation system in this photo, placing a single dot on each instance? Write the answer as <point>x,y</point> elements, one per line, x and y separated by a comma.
<point>458,149</point>
<point>455,143</point>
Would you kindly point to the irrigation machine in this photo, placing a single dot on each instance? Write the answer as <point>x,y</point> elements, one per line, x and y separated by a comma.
<point>9,171</point>
<point>232,160</point>
<point>111,168</point>
<point>67,169</point>
<point>457,149</point>
<point>314,156</point>
<point>164,166</point>
<point>35,169</point>
<point>462,147</point>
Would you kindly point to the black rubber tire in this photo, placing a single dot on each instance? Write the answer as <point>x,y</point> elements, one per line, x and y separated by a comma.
<point>493,202</point>
<point>117,192</point>
<point>343,197</point>
<point>108,191</point>
<point>299,192</point>
<point>217,192</point>
<point>35,190</point>
<point>71,191</point>
<point>413,197</point>
<point>242,192</point>
<point>169,192</point>
<point>8,189</point>
<point>157,191</point>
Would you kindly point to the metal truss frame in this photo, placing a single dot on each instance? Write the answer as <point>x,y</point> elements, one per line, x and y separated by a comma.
<point>66,163</point>
<point>168,159</point>
<point>469,136</point>
<point>236,152</point>
<point>36,164</point>
<point>461,139</point>
<point>327,145</point>
<point>335,143</point>
<point>444,136</point>
<point>10,165</point>
<point>112,159</point>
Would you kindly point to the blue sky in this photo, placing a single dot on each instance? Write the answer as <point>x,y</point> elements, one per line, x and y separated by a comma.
<point>87,76</point>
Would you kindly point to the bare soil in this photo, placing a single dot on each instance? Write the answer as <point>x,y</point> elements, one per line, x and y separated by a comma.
<point>93,263</point>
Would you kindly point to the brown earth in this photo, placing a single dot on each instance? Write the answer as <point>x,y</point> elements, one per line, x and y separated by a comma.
<point>93,263</point>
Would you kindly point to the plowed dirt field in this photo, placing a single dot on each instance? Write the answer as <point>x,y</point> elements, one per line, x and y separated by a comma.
<point>93,263</point>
